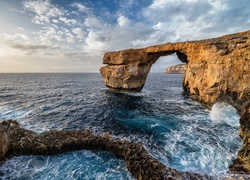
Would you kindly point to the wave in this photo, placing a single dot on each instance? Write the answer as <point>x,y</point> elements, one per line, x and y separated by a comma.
<point>73,165</point>
<point>224,113</point>
<point>7,112</point>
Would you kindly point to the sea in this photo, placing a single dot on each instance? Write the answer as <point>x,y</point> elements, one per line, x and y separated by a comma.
<point>174,129</point>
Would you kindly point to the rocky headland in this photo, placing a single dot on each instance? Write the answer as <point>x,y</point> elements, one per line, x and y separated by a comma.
<point>176,69</point>
<point>218,69</point>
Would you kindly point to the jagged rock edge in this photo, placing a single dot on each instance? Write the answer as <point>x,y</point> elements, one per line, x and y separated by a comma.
<point>16,141</point>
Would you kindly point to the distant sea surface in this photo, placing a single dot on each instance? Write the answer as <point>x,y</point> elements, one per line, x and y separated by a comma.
<point>177,131</point>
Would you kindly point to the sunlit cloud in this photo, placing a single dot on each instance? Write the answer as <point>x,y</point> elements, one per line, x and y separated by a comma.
<point>74,35</point>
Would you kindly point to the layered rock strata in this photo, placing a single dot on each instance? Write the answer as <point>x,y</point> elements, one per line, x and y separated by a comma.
<point>242,162</point>
<point>16,141</point>
<point>177,69</point>
<point>218,69</point>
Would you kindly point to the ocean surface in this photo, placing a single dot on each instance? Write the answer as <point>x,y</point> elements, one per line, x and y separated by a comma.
<point>174,129</point>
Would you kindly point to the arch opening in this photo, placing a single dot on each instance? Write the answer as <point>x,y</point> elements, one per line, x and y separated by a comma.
<point>173,62</point>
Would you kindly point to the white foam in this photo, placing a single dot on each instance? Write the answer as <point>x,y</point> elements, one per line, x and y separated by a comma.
<point>7,112</point>
<point>223,112</point>
<point>74,165</point>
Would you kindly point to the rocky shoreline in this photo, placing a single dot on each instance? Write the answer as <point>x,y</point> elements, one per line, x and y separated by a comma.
<point>176,69</point>
<point>218,70</point>
<point>16,141</point>
<point>242,163</point>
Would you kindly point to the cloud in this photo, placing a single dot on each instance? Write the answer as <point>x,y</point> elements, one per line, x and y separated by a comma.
<point>67,33</point>
<point>94,23</point>
<point>123,21</point>
<point>11,38</point>
<point>81,7</point>
<point>78,31</point>
<point>95,44</point>
<point>20,28</point>
<point>68,22</point>
<point>44,10</point>
<point>228,17</point>
<point>43,7</point>
<point>190,20</point>
<point>55,21</point>
<point>29,47</point>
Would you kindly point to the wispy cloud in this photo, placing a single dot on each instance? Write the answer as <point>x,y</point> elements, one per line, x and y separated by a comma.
<point>80,33</point>
<point>81,7</point>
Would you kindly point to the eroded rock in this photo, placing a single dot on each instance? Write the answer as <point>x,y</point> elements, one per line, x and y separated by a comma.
<point>176,69</point>
<point>242,163</point>
<point>4,142</point>
<point>138,161</point>
<point>217,68</point>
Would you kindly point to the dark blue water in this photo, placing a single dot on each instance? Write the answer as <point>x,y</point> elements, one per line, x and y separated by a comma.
<point>177,131</point>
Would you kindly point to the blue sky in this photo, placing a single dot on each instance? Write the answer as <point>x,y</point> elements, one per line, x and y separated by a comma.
<point>73,35</point>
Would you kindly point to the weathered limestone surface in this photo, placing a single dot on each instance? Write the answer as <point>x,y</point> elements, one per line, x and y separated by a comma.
<point>4,142</point>
<point>242,163</point>
<point>138,161</point>
<point>176,69</point>
<point>218,69</point>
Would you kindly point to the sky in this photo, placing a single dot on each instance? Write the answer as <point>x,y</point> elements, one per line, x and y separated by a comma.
<point>73,35</point>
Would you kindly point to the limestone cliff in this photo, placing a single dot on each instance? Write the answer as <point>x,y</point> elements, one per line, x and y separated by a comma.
<point>176,69</point>
<point>218,69</point>
<point>242,162</point>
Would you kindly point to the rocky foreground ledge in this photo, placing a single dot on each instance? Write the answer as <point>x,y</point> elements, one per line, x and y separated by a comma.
<point>16,141</point>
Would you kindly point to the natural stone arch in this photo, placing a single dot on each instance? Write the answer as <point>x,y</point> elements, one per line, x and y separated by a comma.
<point>169,64</point>
<point>128,69</point>
<point>217,69</point>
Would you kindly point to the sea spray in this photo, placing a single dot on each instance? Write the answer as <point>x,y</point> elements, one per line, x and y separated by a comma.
<point>205,141</point>
<point>174,129</point>
<point>74,165</point>
<point>223,112</point>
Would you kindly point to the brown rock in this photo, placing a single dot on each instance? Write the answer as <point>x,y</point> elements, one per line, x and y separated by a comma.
<point>217,68</point>
<point>4,142</point>
<point>242,163</point>
<point>176,69</point>
<point>138,161</point>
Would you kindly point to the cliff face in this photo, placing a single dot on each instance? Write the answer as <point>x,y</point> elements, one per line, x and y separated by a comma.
<point>217,68</point>
<point>177,69</point>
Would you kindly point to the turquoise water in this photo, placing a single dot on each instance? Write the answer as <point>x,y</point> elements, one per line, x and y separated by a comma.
<point>177,131</point>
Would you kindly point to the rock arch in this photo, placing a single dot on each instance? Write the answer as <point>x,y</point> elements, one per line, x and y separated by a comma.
<point>217,69</point>
<point>127,70</point>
